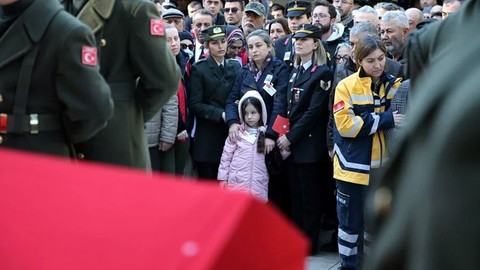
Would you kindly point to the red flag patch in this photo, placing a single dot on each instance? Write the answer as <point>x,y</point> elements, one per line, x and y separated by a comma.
<point>157,28</point>
<point>89,56</point>
<point>337,107</point>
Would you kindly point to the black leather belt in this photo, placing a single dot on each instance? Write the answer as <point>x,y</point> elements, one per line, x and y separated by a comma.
<point>31,123</point>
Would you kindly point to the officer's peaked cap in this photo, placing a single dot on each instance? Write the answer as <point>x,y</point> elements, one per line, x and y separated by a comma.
<point>298,8</point>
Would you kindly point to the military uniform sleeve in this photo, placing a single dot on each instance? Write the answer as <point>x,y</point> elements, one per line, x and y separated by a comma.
<point>152,60</point>
<point>350,125</point>
<point>81,88</point>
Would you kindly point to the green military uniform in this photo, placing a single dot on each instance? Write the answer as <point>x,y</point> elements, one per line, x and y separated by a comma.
<point>49,82</point>
<point>433,183</point>
<point>132,45</point>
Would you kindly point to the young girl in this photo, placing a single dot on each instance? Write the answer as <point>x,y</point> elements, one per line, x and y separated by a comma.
<point>242,166</point>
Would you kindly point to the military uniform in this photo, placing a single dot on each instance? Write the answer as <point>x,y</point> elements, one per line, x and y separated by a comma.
<point>140,70</point>
<point>284,49</point>
<point>429,191</point>
<point>307,111</point>
<point>51,91</point>
<point>209,91</point>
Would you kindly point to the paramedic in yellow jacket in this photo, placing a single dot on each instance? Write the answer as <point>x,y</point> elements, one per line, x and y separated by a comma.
<point>361,115</point>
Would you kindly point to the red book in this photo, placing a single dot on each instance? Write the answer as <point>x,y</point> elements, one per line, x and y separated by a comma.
<point>281,125</point>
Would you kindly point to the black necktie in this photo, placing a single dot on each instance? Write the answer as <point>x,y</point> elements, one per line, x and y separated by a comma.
<point>202,51</point>
<point>300,72</point>
<point>222,69</point>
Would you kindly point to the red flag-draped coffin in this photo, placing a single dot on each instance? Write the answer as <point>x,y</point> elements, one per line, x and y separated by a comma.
<point>56,214</point>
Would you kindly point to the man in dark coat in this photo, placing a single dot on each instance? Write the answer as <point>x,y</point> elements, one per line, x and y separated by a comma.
<point>428,196</point>
<point>141,71</point>
<point>51,91</point>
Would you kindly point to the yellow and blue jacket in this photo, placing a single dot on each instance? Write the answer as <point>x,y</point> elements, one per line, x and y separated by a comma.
<point>361,114</point>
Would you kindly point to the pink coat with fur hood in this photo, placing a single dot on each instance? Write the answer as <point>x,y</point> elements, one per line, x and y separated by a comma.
<point>241,165</point>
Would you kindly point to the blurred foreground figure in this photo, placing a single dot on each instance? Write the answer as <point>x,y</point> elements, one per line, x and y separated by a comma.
<point>430,190</point>
<point>51,92</point>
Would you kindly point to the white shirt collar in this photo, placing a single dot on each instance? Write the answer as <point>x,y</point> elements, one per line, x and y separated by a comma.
<point>307,65</point>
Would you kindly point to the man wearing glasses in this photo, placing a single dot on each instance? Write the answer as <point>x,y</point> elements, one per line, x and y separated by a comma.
<point>323,17</point>
<point>233,12</point>
<point>345,8</point>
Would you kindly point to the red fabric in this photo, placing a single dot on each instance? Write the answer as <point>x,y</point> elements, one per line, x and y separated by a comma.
<point>56,214</point>
<point>182,102</point>
<point>281,125</point>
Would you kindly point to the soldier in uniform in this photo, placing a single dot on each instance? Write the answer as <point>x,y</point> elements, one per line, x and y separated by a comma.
<point>298,12</point>
<point>211,82</point>
<point>307,111</point>
<point>428,195</point>
<point>140,69</point>
<point>51,91</point>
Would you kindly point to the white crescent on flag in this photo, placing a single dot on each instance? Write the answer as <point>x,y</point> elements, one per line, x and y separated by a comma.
<point>157,27</point>
<point>89,56</point>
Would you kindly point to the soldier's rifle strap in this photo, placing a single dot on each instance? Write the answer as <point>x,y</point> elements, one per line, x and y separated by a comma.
<point>23,88</point>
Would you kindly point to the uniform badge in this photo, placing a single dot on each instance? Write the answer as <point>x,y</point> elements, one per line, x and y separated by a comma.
<point>339,106</point>
<point>325,85</point>
<point>157,27</point>
<point>89,56</point>
<point>314,68</point>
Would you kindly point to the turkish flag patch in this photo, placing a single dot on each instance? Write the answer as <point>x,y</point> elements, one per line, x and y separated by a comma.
<point>157,28</point>
<point>89,56</point>
<point>337,107</point>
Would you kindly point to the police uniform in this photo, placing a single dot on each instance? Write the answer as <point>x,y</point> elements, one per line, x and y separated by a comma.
<point>210,87</point>
<point>307,111</point>
<point>283,46</point>
<point>51,91</point>
<point>140,70</point>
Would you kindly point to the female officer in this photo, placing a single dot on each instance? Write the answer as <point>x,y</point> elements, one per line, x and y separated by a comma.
<point>211,80</point>
<point>361,116</point>
<point>307,111</point>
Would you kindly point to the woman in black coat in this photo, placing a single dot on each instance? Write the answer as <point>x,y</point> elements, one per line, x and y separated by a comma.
<point>211,80</point>
<point>307,111</point>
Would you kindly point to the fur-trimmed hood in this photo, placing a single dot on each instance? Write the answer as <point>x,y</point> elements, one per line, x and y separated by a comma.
<point>255,94</point>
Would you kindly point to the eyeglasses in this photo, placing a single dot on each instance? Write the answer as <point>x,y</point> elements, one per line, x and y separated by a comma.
<point>345,57</point>
<point>320,16</point>
<point>233,10</point>
<point>343,2</point>
<point>185,46</point>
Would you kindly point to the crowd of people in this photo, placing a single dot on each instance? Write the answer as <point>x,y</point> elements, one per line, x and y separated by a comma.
<point>299,105</point>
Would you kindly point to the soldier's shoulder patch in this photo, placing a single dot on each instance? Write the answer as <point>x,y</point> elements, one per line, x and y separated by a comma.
<point>325,85</point>
<point>157,27</point>
<point>89,56</point>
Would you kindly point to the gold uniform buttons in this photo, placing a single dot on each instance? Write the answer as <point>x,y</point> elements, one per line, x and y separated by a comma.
<point>1,139</point>
<point>80,156</point>
<point>1,98</point>
<point>103,42</point>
